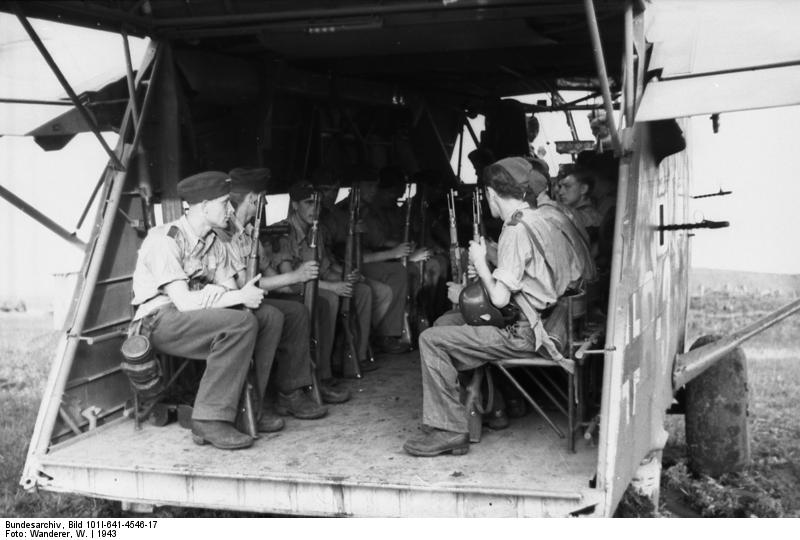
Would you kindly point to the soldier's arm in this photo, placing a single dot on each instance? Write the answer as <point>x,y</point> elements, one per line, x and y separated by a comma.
<point>186,300</point>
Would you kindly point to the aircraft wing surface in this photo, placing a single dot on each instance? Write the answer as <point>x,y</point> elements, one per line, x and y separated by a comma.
<point>712,57</point>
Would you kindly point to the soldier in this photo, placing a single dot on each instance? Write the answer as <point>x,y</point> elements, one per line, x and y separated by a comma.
<point>293,349</point>
<point>575,191</point>
<point>383,243</point>
<point>529,274</point>
<point>184,289</point>
<point>332,285</point>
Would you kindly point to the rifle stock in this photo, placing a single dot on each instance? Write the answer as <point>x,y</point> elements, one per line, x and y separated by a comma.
<point>248,416</point>
<point>405,333</point>
<point>310,292</point>
<point>349,352</point>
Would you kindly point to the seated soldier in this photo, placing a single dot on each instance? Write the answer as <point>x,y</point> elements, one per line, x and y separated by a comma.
<point>183,288</point>
<point>575,191</point>
<point>384,223</point>
<point>246,184</point>
<point>332,285</point>
<point>529,274</point>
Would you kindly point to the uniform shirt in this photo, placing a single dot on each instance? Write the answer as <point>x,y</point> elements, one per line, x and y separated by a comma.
<point>238,240</point>
<point>588,214</point>
<point>295,250</point>
<point>173,252</point>
<point>580,260</point>
<point>542,277</point>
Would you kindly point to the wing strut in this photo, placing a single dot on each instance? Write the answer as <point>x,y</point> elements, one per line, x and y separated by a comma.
<point>65,84</point>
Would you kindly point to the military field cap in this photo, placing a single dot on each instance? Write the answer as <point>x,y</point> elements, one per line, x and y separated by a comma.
<point>301,192</point>
<point>249,179</point>
<point>204,186</point>
<point>523,172</point>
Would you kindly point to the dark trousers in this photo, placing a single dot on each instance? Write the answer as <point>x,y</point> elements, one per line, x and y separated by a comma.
<point>287,350</point>
<point>395,276</point>
<point>224,338</point>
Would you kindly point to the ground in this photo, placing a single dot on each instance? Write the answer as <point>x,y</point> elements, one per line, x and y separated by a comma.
<point>768,488</point>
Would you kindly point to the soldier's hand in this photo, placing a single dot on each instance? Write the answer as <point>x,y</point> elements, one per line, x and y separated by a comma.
<point>210,294</point>
<point>307,271</point>
<point>250,294</point>
<point>472,273</point>
<point>422,254</point>
<point>477,252</point>
<point>360,227</point>
<point>343,289</point>
<point>401,250</point>
<point>454,291</point>
<point>354,277</point>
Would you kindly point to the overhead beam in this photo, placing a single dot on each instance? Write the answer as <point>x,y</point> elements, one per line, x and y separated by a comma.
<point>32,212</point>
<point>88,118</point>
<point>550,8</point>
<point>35,102</point>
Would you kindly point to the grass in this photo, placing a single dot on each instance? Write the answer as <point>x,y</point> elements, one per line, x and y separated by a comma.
<point>769,485</point>
<point>768,488</point>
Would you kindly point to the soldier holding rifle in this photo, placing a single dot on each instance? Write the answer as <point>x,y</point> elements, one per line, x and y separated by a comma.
<point>333,287</point>
<point>184,290</point>
<point>293,358</point>
<point>528,274</point>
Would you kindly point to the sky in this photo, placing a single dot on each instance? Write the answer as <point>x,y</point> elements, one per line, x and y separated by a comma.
<point>754,155</point>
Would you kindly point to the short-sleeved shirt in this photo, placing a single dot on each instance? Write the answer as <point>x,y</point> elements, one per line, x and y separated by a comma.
<point>523,268</point>
<point>294,247</point>
<point>173,252</point>
<point>238,239</point>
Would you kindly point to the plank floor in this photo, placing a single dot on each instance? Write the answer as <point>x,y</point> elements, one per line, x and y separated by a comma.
<point>358,442</point>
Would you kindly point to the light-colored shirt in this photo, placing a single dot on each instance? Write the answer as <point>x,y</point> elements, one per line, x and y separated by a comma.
<point>523,268</point>
<point>173,252</point>
<point>238,239</point>
<point>579,258</point>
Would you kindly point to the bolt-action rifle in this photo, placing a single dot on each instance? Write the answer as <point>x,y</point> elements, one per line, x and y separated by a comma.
<point>310,296</point>
<point>455,250</point>
<point>247,418</point>
<point>405,333</point>
<point>349,350</point>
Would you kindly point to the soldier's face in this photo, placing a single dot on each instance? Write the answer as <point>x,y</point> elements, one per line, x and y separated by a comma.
<point>218,211</point>
<point>305,210</point>
<point>570,191</point>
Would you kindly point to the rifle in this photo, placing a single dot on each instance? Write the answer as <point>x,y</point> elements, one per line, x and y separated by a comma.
<point>350,367</point>
<point>474,301</point>
<point>405,333</point>
<point>455,249</point>
<point>247,418</point>
<point>359,260</point>
<point>421,321</point>
<point>310,298</point>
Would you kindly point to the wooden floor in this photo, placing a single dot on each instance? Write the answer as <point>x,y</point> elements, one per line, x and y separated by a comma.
<point>359,442</point>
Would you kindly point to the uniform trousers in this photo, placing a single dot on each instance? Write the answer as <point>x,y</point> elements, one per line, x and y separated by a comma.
<point>287,350</point>
<point>447,350</point>
<point>327,313</point>
<point>389,284</point>
<point>224,338</point>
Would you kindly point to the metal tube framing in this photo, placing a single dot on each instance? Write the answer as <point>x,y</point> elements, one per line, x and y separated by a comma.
<point>693,363</point>
<point>602,74</point>
<point>36,102</point>
<point>129,76</point>
<point>65,84</point>
<point>59,373</point>
<point>630,99</point>
<point>42,219</point>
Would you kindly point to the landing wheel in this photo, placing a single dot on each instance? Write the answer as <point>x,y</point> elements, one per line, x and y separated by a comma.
<point>717,435</point>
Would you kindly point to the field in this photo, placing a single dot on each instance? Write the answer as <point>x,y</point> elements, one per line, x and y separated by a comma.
<point>769,488</point>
